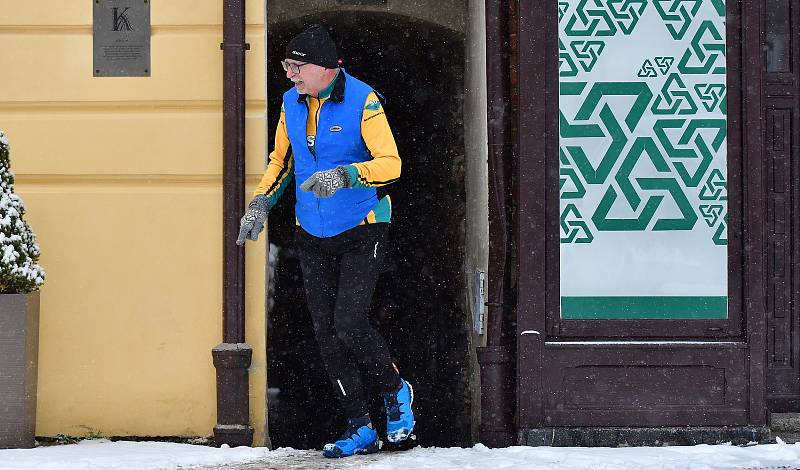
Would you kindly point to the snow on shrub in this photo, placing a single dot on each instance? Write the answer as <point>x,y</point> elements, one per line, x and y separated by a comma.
<point>19,252</point>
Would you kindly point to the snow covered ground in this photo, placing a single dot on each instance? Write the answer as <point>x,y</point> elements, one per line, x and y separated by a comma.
<point>106,455</point>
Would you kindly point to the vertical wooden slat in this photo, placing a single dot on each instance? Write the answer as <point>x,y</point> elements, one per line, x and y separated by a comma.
<point>537,124</point>
<point>754,207</point>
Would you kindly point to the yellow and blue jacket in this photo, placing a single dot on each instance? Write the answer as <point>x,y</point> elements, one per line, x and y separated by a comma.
<point>381,168</point>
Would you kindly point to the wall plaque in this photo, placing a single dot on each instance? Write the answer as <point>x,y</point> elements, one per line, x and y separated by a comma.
<point>121,38</point>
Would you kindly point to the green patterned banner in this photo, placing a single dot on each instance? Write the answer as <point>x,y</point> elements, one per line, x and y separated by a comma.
<point>643,159</point>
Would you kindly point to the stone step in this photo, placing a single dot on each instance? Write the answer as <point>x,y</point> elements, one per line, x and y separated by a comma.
<point>786,426</point>
<point>785,422</point>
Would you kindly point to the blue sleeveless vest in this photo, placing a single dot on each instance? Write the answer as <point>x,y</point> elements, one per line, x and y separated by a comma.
<point>338,142</point>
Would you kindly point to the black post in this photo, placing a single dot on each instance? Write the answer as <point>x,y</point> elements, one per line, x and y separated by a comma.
<point>496,359</point>
<point>232,357</point>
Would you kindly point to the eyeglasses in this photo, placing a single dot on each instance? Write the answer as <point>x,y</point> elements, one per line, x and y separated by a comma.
<point>295,68</point>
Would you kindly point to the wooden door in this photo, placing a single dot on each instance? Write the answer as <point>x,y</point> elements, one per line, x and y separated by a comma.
<point>680,90</point>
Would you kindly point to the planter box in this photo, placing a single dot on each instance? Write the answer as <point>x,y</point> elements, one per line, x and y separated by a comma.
<point>19,352</point>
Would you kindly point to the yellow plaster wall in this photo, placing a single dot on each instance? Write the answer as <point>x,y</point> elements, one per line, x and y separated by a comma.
<point>122,180</point>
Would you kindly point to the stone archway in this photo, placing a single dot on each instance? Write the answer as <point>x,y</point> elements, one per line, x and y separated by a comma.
<point>419,67</point>
<point>448,14</point>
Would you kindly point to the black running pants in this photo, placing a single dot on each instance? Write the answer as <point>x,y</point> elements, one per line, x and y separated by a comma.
<point>339,276</point>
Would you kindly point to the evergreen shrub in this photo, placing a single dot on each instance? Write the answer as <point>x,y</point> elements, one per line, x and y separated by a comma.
<point>20,272</point>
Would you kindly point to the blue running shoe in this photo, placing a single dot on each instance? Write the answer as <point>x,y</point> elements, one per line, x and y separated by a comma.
<point>399,416</point>
<point>358,438</point>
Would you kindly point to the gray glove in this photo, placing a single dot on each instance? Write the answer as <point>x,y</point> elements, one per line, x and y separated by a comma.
<point>325,183</point>
<point>252,222</point>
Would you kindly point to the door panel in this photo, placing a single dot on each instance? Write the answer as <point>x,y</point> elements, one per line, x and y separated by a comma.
<point>596,384</point>
<point>643,171</point>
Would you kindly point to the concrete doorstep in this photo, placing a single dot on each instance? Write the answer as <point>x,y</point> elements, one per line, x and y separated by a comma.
<point>301,460</point>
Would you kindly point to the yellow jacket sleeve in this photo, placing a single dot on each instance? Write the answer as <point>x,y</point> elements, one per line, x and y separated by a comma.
<point>280,168</point>
<point>384,168</point>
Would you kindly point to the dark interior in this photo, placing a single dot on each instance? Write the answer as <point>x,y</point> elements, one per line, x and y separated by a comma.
<point>419,302</point>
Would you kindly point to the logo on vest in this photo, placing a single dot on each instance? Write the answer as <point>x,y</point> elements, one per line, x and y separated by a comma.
<point>336,128</point>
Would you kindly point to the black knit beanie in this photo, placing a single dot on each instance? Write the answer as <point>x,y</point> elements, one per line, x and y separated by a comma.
<point>315,46</point>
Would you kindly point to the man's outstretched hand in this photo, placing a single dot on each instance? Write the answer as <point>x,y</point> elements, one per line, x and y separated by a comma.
<point>252,222</point>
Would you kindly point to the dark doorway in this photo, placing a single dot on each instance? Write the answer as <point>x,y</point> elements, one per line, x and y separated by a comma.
<point>419,302</point>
